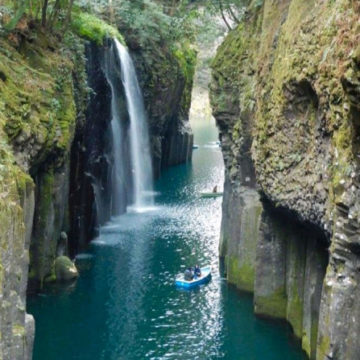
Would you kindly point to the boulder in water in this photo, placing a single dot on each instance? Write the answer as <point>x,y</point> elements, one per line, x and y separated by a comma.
<point>65,269</point>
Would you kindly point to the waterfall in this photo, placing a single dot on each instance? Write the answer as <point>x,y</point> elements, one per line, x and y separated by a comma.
<point>138,132</point>
<point>132,175</point>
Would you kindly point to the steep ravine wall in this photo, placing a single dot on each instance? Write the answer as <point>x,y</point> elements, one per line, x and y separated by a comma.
<point>166,77</point>
<point>285,93</point>
<point>38,113</point>
<point>91,159</point>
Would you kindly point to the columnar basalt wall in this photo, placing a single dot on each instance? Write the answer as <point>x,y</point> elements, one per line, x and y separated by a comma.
<point>286,83</point>
<point>291,260</point>
<point>38,113</point>
<point>91,160</point>
<point>166,79</point>
<point>16,327</point>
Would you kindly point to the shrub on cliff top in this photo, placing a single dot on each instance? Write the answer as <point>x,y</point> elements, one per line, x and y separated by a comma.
<point>92,28</point>
<point>186,57</point>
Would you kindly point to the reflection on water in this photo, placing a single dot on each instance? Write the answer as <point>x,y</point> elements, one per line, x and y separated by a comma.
<point>125,304</point>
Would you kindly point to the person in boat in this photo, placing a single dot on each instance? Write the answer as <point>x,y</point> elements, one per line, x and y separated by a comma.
<point>197,271</point>
<point>188,274</point>
<point>215,189</point>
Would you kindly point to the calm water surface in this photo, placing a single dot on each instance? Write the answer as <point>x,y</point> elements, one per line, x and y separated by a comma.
<point>124,306</point>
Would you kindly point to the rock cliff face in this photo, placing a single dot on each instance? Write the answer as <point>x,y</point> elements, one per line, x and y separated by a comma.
<point>91,162</point>
<point>285,93</point>
<point>38,114</point>
<point>166,78</point>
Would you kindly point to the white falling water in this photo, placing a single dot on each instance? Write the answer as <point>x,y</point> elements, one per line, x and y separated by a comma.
<point>117,186</point>
<point>138,132</point>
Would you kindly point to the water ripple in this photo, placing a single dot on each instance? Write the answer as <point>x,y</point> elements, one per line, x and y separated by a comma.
<point>125,305</point>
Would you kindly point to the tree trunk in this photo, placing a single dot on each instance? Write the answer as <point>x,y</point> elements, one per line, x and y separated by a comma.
<point>54,13</point>
<point>31,9</point>
<point>44,12</point>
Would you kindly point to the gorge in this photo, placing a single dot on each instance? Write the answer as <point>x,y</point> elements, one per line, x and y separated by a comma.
<point>100,183</point>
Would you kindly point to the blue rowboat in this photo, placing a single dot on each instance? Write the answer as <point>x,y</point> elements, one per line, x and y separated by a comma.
<point>189,284</point>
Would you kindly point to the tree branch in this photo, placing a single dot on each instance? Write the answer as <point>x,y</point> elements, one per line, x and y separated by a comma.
<point>223,15</point>
<point>232,14</point>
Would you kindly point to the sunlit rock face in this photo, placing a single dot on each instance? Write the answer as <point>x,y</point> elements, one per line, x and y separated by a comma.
<point>285,93</point>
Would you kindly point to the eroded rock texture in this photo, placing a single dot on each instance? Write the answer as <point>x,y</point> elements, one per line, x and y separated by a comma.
<point>91,159</point>
<point>285,93</point>
<point>166,78</point>
<point>38,113</point>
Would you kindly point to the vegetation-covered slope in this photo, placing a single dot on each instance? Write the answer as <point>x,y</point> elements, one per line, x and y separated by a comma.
<point>38,116</point>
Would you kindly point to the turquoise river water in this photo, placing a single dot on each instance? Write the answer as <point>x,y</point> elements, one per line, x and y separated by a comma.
<point>124,306</point>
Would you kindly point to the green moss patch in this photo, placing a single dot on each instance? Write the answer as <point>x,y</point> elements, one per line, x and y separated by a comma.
<point>93,28</point>
<point>295,306</point>
<point>186,58</point>
<point>273,305</point>
<point>241,275</point>
<point>18,330</point>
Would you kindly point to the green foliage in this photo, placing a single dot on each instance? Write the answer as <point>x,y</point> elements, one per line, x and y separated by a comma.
<point>258,3</point>
<point>16,17</point>
<point>94,29</point>
<point>186,57</point>
<point>52,14</point>
<point>231,11</point>
<point>146,21</point>
<point>207,32</point>
<point>145,18</point>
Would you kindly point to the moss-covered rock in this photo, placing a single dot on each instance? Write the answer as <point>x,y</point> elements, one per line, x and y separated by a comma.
<point>92,28</point>
<point>65,269</point>
<point>39,76</point>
